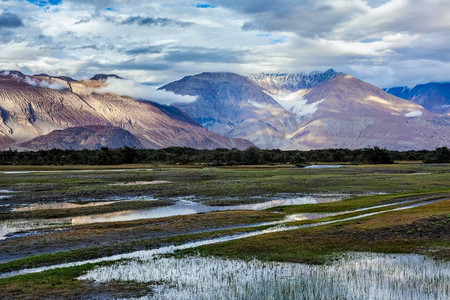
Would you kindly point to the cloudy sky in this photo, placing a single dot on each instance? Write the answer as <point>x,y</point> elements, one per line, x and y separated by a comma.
<point>384,42</point>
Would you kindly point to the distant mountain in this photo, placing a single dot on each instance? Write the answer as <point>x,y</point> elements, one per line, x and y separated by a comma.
<point>276,82</point>
<point>104,77</point>
<point>353,114</point>
<point>289,89</point>
<point>433,96</point>
<point>317,110</point>
<point>84,137</point>
<point>287,111</point>
<point>36,106</point>
<point>233,105</point>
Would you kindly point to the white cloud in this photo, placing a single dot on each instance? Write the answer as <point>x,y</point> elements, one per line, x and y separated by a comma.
<point>370,39</point>
<point>43,83</point>
<point>131,88</point>
<point>414,114</point>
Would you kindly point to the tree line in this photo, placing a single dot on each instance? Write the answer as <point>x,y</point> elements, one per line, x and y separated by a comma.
<point>218,157</point>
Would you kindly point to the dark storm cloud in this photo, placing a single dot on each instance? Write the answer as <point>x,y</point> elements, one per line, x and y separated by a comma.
<point>136,65</point>
<point>100,4</point>
<point>9,20</point>
<point>199,54</point>
<point>144,50</point>
<point>307,18</point>
<point>82,21</point>
<point>149,21</point>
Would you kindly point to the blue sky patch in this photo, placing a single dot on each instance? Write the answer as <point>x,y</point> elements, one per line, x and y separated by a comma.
<point>205,5</point>
<point>43,3</point>
<point>278,41</point>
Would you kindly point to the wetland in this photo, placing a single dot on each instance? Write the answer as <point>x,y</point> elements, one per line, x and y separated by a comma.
<point>277,231</point>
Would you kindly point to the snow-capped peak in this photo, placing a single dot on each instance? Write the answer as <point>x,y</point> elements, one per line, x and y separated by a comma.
<point>291,82</point>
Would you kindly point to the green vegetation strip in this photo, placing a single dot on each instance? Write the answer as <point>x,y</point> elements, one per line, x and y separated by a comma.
<point>62,284</point>
<point>425,230</point>
<point>362,202</point>
<point>97,252</point>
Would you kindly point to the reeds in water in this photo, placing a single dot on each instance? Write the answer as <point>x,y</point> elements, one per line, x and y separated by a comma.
<point>354,276</point>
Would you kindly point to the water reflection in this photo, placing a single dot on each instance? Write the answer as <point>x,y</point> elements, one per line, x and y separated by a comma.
<point>63,205</point>
<point>323,166</point>
<point>72,171</point>
<point>150,254</point>
<point>20,228</point>
<point>187,207</point>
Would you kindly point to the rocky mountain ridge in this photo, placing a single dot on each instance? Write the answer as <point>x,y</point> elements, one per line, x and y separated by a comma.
<point>291,82</point>
<point>287,111</point>
<point>84,137</point>
<point>355,114</point>
<point>34,106</point>
<point>233,105</point>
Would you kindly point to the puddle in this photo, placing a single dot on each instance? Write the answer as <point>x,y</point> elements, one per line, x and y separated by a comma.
<point>19,228</point>
<point>141,182</point>
<point>7,192</point>
<point>187,207</point>
<point>62,205</point>
<point>412,174</point>
<point>72,171</point>
<point>323,166</point>
<point>119,198</point>
<point>149,254</point>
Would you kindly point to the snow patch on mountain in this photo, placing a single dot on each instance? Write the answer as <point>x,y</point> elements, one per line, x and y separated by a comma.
<point>296,104</point>
<point>414,114</point>
<point>257,104</point>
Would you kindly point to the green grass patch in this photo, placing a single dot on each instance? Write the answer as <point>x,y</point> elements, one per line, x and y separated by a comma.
<point>63,284</point>
<point>407,232</point>
<point>361,202</point>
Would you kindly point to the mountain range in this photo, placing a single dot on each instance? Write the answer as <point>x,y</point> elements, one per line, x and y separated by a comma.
<point>309,111</point>
<point>36,112</point>
<point>434,96</point>
<point>287,111</point>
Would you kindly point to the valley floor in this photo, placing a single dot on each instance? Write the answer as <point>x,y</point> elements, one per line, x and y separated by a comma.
<point>61,223</point>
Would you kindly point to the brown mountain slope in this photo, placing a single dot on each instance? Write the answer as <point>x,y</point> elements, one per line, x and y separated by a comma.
<point>5,141</point>
<point>84,137</point>
<point>235,106</point>
<point>354,114</point>
<point>32,106</point>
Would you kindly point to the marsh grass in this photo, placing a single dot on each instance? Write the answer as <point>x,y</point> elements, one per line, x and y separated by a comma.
<point>417,230</point>
<point>352,276</point>
<point>178,230</point>
<point>424,229</point>
<point>360,202</point>
<point>62,284</point>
